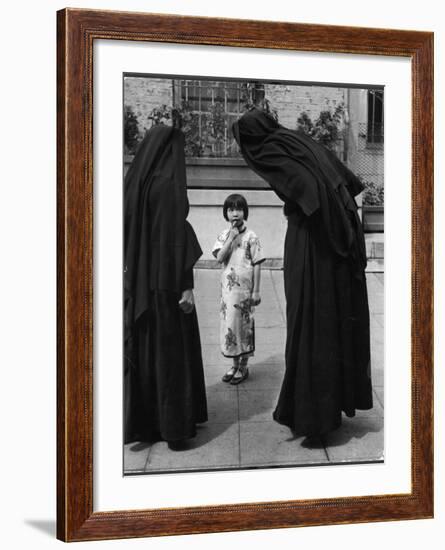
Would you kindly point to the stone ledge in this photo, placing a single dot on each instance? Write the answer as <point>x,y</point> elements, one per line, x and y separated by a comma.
<point>375,265</point>
<point>216,197</point>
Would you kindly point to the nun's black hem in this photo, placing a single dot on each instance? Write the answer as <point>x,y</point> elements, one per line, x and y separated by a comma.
<point>166,394</point>
<point>157,437</point>
<point>299,431</point>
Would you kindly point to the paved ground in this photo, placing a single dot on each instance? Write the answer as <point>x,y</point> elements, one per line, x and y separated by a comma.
<point>240,432</point>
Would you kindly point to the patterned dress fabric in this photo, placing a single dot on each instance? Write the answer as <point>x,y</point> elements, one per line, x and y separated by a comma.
<point>237,329</point>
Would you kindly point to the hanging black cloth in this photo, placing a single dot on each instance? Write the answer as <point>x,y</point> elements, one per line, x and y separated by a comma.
<point>328,341</point>
<point>163,371</point>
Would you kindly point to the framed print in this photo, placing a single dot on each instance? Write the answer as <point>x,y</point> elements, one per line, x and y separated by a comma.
<point>244,275</point>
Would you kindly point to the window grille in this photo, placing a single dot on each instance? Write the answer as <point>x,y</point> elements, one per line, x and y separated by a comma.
<point>208,110</point>
<point>375,116</point>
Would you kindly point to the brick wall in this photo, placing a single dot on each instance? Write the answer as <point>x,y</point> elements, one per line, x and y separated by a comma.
<point>290,101</point>
<point>143,94</point>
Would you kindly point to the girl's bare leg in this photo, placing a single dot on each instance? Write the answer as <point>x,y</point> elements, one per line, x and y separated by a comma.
<point>242,372</point>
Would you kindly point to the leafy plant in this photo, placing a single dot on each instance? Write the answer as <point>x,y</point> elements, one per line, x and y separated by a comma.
<point>131,130</point>
<point>183,117</point>
<point>216,122</point>
<point>159,115</point>
<point>253,95</point>
<point>305,124</point>
<point>189,122</point>
<point>325,129</point>
<point>373,195</point>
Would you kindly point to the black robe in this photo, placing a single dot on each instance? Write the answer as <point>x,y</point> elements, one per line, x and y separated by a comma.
<point>328,341</point>
<point>164,389</point>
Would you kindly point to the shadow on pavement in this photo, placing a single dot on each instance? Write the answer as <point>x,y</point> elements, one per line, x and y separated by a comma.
<point>206,433</point>
<point>353,428</point>
<point>141,446</point>
<point>255,400</point>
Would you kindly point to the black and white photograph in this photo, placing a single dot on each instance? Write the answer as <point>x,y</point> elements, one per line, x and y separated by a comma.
<point>253,274</point>
<point>221,234</point>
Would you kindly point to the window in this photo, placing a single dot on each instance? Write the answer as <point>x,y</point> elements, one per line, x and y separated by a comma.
<point>208,109</point>
<point>375,116</point>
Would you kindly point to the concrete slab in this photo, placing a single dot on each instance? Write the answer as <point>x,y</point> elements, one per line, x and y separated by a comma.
<point>376,306</point>
<point>213,375</point>
<point>136,456</point>
<point>380,319</point>
<point>270,444</point>
<point>215,446</point>
<point>264,376</point>
<point>278,285</point>
<point>209,335</point>
<point>256,405</point>
<point>222,405</point>
<point>269,354</point>
<point>273,336</point>
<point>380,277</point>
<point>375,294</point>
<point>208,312</point>
<point>358,439</point>
<point>379,395</point>
<point>376,332</point>
<point>266,322</point>
<point>377,353</point>
<point>211,355</point>
<point>377,376</point>
<point>375,265</point>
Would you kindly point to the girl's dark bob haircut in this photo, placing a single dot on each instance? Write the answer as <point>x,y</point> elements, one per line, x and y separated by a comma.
<point>236,202</point>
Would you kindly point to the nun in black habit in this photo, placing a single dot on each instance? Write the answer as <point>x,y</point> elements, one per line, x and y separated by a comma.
<point>327,346</point>
<point>163,380</point>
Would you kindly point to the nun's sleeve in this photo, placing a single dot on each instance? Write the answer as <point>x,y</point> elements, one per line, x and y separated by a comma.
<point>352,182</point>
<point>192,253</point>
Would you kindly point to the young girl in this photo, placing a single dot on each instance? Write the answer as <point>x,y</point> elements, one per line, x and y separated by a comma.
<point>239,250</point>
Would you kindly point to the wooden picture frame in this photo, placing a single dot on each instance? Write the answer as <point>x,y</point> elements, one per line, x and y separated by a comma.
<point>77,31</point>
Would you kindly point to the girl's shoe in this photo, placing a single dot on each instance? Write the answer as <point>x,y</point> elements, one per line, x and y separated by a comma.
<point>241,374</point>
<point>229,374</point>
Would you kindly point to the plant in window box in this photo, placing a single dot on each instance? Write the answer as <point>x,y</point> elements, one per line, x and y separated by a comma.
<point>326,128</point>
<point>190,127</point>
<point>132,135</point>
<point>214,130</point>
<point>160,115</point>
<point>305,124</point>
<point>372,207</point>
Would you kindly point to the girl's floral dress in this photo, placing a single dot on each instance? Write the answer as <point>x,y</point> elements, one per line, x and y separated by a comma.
<point>237,330</point>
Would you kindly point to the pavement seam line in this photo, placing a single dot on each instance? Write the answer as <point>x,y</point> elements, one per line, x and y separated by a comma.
<point>277,297</point>
<point>239,427</point>
<point>147,461</point>
<point>378,399</point>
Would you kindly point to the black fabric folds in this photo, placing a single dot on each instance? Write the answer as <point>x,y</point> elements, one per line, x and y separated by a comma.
<point>328,339</point>
<point>164,380</point>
